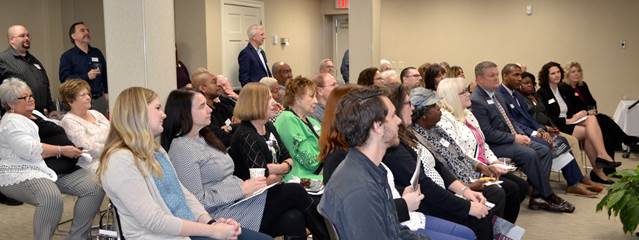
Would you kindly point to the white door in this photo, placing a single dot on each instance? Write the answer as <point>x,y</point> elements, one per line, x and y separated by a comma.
<point>237,17</point>
<point>340,43</point>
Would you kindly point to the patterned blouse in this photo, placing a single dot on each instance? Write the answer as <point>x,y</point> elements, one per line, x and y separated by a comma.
<point>464,136</point>
<point>462,166</point>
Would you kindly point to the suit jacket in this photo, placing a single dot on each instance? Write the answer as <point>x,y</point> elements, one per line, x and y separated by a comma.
<point>585,97</point>
<point>552,107</point>
<point>518,109</point>
<point>493,126</point>
<point>251,68</point>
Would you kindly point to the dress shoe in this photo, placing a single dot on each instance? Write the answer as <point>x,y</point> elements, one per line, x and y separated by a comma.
<point>9,201</point>
<point>537,204</point>
<point>564,205</point>
<point>581,190</point>
<point>601,163</point>
<point>597,179</point>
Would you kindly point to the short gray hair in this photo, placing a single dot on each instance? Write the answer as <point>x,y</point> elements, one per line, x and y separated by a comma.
<point>250,32</point>
<point>269,81</point>
<point>10,90</point>
<point>480,67</point>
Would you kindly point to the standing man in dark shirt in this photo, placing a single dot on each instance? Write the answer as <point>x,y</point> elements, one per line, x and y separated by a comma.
<point>88,63</point>
<point>17,62</point>
<point>357,199</point>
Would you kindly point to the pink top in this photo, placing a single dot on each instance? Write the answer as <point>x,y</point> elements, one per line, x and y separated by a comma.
<point>479,152</point>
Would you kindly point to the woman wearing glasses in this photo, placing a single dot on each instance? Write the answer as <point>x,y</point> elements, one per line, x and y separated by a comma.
<point>39,164</point>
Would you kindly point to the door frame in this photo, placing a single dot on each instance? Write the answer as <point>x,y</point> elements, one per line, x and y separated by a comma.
<point>241,3</point>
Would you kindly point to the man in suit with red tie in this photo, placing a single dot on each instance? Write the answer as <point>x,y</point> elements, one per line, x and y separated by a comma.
<point>252,59</point>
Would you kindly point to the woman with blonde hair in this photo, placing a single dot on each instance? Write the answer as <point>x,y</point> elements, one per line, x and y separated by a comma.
<point>139,179</point>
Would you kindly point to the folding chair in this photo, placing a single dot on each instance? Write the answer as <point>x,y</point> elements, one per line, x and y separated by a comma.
<point>332,231</point>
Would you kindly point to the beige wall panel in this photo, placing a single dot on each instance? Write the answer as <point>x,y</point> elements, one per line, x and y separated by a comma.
<point>467,32</point>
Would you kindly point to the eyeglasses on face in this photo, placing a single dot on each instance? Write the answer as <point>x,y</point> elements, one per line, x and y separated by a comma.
<point>26,98</point>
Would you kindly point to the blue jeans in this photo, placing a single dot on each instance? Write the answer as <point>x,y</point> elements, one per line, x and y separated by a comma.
<point>437,228</point>
<point>247,234</point>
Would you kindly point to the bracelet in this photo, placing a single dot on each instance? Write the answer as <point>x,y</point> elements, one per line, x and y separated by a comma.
<point>289,166</point>
<point>59,152</point>
<point>211,221</point>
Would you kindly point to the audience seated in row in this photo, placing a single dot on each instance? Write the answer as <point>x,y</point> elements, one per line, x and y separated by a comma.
<point>39,164</point>
<point>137,175</point>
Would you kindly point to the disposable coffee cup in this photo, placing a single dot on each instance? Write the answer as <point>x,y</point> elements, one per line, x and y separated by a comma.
<point>255,172</point>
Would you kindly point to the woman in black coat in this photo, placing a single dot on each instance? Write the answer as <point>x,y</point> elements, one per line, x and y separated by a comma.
<point>574,78</point>
<point>563,107</point>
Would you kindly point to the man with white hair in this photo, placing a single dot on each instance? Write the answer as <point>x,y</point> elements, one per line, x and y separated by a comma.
<point>325,83</point>
<point>326,66</point>
<point>390,76</point>
<point>252,59</point>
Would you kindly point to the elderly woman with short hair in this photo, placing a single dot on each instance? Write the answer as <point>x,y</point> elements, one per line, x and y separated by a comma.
<point>39,164</point>
<point>298,130</point>
<point>85,127</point>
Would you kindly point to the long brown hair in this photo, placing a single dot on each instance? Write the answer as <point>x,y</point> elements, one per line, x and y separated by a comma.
<point>397,94</point>
<point>330,139</point>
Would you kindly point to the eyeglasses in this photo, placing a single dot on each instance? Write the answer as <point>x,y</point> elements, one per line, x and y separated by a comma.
<point>465,91</point>
<point>26,98</point>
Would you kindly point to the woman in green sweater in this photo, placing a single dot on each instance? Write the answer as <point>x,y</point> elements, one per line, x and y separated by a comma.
<point>298,130</point>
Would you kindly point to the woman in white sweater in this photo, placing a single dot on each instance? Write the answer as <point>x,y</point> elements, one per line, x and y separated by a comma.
<point>140,181</point>
<point>85,127</point>
<point>38,164</point>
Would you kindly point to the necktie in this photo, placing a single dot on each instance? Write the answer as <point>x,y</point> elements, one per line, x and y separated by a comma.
<point>268,71</point>
<point>503,114</point>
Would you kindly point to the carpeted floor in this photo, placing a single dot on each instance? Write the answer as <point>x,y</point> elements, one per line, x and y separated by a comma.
<point>584,223</point>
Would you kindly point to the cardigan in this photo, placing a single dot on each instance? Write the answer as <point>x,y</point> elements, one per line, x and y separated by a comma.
<point>143,213</point>
<point>250,150</point>
<point>20,151</point>
<point>208,174</point>
<point>301,142</point>
<point>87,135</point>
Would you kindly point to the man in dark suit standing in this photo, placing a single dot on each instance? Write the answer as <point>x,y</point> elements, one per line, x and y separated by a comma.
<point>506,140</point>
<point>252,59</point>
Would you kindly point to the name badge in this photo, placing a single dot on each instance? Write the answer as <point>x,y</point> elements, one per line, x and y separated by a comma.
<point>490,101</point>
<point>551,101</point>
<point>512,106</point>
<point>444,142</point>
<point>37,66</point>
<point>95,59</point>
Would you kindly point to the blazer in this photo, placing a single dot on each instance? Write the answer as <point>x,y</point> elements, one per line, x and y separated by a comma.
<point>494,127</point>
<point>584,96</point>
<point>251,68</point>
<point>552,107</point>
<point>517,107</point>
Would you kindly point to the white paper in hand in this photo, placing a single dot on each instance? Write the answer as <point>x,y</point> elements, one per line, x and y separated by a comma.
<point>415,179</point>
